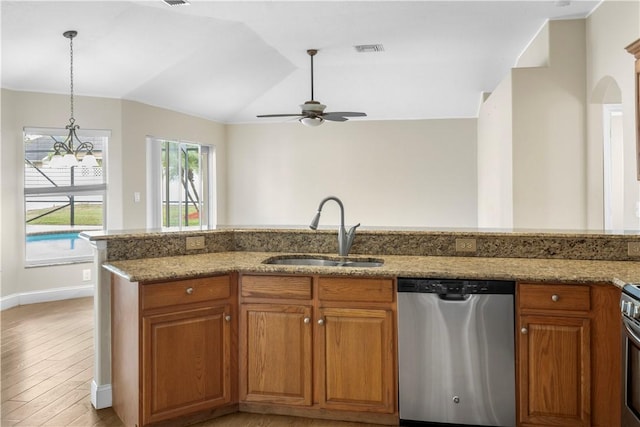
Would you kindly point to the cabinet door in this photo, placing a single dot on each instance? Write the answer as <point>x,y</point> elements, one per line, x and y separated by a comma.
<point>554,371</point>
<point>186,362</point>
<point>355,354</point>
<point>275,354</point>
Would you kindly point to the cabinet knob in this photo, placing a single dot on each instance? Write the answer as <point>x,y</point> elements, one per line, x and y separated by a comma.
<point>227,318</point>
<point>189,291</point>
<point>306,320</point>
<point>555,298</point>
<point>524,331</point>
<point>320,321</point>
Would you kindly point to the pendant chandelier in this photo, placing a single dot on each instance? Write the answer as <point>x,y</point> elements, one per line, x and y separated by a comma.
<point>72,146</point>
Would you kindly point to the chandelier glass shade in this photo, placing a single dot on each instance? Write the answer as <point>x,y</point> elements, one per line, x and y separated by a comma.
<point>66,153</point>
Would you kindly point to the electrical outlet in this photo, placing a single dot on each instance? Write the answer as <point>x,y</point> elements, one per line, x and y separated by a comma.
<point>195,243</point>
<point>633,248</point>
<point>86,275</point>
<point>465,245</point>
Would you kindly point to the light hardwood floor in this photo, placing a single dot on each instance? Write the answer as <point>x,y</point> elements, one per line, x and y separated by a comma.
<point>47,367</point>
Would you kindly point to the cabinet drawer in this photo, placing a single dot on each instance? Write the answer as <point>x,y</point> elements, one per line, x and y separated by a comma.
<point>555,297</point>
<point>282,287</point>
<point>185,291</point>
<point>358,290</point>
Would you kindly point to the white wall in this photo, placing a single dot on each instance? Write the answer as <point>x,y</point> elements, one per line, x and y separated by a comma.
<point>537,116</point>
<point>610,28</point>
<point>387,173</point>
<point>549,121</point>
<point>129,123</point>
<point>536,54</point>
<point>140,121</point>
<point>495,164</point>
<point>425,173</point>
<point>27,109</point>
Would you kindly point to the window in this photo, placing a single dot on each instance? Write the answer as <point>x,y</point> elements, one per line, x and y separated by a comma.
<point>61,200</point>
<point>181,189</point>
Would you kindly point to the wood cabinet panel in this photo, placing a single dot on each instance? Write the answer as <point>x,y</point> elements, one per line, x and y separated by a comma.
<point>356,290</point>
<point>606,362</point>
<point>332,356</point>
<point>282,287</point>
<point>356,360</point>
<point>569,358</point>
<point>555,297</point>
<point>276,354</point>
<point>186,359</point>
<point>555,371</point>
<point>185,292</point>
<point>173,362</point>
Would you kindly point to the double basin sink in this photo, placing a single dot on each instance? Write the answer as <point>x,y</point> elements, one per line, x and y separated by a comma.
<point>319,261</point>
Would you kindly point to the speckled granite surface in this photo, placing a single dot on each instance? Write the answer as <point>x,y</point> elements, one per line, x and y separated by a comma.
<point>521,269</point>
<point>586,246</point>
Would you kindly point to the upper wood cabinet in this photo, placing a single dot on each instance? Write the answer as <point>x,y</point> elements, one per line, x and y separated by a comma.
<point>634,49</point>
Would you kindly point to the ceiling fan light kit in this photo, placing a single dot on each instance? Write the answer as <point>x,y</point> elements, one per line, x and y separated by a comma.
<point>313,111</point>
<point>311,121</point>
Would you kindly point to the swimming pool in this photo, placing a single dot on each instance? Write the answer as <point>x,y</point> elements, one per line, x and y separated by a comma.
<point>56,248</point>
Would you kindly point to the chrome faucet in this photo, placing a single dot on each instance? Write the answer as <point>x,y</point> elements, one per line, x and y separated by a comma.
<point>345,238</point>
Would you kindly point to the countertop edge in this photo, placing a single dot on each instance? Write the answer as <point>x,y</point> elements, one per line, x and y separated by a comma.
<point>617,273</point>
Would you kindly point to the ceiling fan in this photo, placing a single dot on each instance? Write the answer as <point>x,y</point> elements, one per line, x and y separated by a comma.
<point>312,111</point>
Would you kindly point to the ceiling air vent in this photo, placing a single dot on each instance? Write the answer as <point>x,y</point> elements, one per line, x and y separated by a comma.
<point>176,2</point>
<point>369,48</point>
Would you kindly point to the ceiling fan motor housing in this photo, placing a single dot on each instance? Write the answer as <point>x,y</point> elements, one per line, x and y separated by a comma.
<point>312,107</point>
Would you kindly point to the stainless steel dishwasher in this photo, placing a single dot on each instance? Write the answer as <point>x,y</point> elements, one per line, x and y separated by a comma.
<point>456,352</point>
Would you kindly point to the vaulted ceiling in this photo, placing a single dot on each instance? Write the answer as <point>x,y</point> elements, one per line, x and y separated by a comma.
<point>232,60</point>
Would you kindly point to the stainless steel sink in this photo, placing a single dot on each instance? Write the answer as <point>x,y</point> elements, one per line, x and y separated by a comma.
<point>325,262</point>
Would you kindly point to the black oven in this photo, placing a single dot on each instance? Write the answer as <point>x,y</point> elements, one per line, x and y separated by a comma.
<point>630,306</point>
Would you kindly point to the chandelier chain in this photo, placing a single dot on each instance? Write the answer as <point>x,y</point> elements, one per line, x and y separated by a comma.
<point>72,119</point>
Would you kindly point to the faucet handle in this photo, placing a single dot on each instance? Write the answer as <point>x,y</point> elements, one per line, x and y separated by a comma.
<point>352,231</point>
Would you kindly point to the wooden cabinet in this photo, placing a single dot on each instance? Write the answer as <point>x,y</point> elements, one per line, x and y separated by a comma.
<point>562,379</point>
<point>276,340</point>
<point>277,360</point>
<point>172,349</point>
<point>318,346</point>
<point>355,346</point>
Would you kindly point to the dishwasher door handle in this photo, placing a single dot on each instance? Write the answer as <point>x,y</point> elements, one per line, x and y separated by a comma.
<point>454,297</point>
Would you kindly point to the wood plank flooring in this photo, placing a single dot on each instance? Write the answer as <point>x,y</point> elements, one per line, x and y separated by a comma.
<point>46,368</point>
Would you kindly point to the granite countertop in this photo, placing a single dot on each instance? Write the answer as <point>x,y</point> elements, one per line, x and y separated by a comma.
<point>521,269</point>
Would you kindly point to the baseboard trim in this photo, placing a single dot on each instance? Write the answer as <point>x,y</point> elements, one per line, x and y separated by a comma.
<point>9,301</point>
<point>101,396</point>
<point>56,294</point>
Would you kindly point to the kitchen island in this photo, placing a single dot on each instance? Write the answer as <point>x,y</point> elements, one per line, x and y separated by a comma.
<point>233,255</point>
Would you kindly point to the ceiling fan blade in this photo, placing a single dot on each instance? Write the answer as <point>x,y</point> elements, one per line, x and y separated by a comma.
<point>282,115</point>
<point>345,114</point>
<point>335,115</point>
<point>335,118</point>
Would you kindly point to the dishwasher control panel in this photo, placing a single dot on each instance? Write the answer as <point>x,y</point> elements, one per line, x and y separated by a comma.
<point>455,286</point>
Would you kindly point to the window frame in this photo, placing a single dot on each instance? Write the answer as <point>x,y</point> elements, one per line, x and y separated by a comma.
<point>157,185</point>
<point>67,190</point>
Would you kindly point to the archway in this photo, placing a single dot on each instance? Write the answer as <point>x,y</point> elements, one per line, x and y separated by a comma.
<point>607,93</point>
